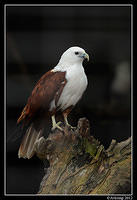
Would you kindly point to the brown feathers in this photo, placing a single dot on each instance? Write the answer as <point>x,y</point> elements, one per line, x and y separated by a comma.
<point>48,88</point>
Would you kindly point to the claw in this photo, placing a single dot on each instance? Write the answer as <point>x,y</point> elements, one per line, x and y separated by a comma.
<point>56,126</point>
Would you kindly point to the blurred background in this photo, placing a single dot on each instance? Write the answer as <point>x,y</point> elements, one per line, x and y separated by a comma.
<point>35,39</point>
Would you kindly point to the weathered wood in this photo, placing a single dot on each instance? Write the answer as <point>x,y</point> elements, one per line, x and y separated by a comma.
<point>79,164</point>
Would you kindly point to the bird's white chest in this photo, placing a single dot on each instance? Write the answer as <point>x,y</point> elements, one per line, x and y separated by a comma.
<point>74,88</point>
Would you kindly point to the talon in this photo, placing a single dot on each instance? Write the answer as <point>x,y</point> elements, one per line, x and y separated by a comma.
<point>58,123</point>
<point>67,124</point>
<point>71,127</point>
<point>55,125</point>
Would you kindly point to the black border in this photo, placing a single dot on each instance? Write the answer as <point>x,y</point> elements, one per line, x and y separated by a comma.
<point>2,4</point>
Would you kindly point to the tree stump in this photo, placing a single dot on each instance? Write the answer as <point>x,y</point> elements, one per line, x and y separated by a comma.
<point>79,164</point>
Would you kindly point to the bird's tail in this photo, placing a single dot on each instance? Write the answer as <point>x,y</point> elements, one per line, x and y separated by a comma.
<point>26,149</point>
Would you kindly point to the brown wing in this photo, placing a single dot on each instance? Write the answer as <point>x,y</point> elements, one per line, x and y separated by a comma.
<point>49,87</point>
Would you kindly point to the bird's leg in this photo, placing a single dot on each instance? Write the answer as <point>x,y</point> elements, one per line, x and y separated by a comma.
<point>54,124</point>
<point>66,120</point>
<point>65,115</point>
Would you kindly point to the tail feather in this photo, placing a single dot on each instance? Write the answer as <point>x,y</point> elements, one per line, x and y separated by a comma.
<point>26,149</point>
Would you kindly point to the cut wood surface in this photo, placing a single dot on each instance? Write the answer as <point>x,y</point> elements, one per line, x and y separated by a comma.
<point>79,164</point>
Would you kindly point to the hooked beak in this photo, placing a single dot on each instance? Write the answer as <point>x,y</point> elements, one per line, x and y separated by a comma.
<point>85,56</point>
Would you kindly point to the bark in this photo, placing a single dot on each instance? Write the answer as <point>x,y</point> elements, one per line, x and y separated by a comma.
<point>79,164</point>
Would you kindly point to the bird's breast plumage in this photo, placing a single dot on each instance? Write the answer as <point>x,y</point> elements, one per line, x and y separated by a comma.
<point>74,88</point>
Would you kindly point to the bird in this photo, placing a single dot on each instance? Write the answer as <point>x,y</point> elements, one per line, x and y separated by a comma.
<point>58,90</point>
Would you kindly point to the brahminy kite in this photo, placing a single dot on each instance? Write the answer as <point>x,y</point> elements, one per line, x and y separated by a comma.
<point>57,90</point>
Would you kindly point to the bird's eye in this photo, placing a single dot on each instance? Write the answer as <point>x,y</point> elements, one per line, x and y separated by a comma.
<point>76,53</point>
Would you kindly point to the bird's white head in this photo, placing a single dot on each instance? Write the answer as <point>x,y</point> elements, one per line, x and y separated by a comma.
<point>73,55</point>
